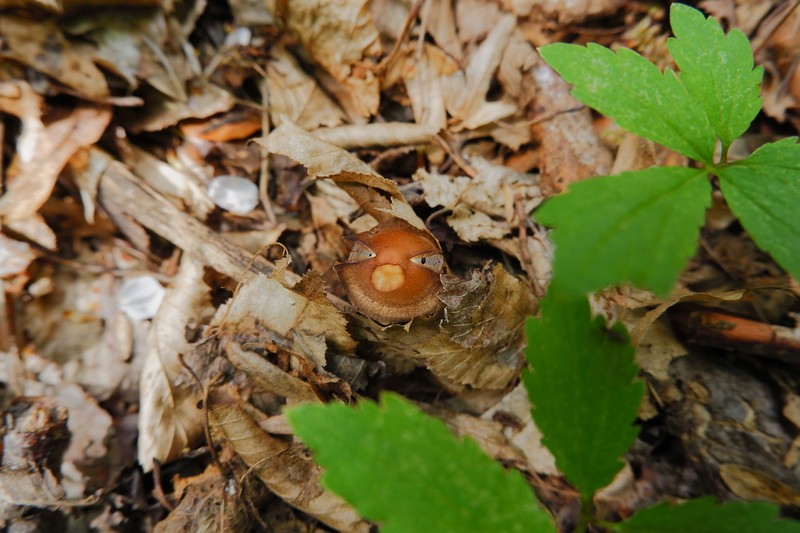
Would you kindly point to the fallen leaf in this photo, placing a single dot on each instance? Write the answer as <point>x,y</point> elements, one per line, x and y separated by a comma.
<point>283,466</point>
<point>169,419</point>
<point>34,175</point>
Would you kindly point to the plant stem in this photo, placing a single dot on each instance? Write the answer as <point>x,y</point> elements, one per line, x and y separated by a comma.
<point>585,515</point>
<point>723,158</point>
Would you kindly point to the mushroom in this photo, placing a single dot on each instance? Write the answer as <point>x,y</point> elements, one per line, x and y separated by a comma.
<point>392,274</point>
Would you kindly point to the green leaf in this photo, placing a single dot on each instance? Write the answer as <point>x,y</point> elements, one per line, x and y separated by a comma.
<point>631,90</point>
<point>583,392</point>
<point>406,471</point>
<point>704,515</point>
<point>639,227</point>
<point>716,70</point>
<point>764,192</point>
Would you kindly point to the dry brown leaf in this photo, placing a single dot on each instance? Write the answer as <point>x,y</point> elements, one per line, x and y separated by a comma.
<point>208,504</point>
<point>296,95</point>
<point>323,243</point>
<point>475,19</point>
<point>35,229</point>
<point>484,206</point>
<point>66,425</point>
<point>478,344</point>
<point>424,77</point>
<point>284,467</point>
<point>565,13</point>
<point>87,177</point>
<point>528,439</point>
<point>342,37</point>
<point>169,419</point>
<point>746,16</point>
<point>269,376</point>
<point>203,100</point>
<point>298,324</point>
<point>466,91</point>
<point>15,256</point>
<point>754,485</point>
<point>514,72</point>
<point>324,160</point>
<point>79,325</point>
<point>442,27</point>
<point>651,316</point>
<point>41,45</point>
<point>34,171</point>
<point>31,487</point>
<point>337,34</point>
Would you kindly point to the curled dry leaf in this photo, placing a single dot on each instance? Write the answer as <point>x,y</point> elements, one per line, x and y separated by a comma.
<point>15,256</point>
<point>569,13</point>
<point>525,438</point>
<point>484,206</point>
<point>466,91</point>
<point>753,485</point>
<point>169,419</point>
<point>424,78</point>
<point>480,341</point>
<point>325,160</point>
<point>303,326</point>
<point>268,376</point>
<point>284,467</point>
<point>208,504</point>
<point>33,174</point>
<point>296,95</point>
<point>34,436</point>
<point>42,46</point>
<point>342,37</point>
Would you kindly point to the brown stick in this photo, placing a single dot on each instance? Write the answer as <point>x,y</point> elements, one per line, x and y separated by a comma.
<point>721,330</point>
<point>121,193</point>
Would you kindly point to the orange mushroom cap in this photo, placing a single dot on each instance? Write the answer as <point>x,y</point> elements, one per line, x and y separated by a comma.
<point>392,274</point>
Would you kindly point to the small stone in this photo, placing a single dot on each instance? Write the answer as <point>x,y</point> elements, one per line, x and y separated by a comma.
<point>233,193</point>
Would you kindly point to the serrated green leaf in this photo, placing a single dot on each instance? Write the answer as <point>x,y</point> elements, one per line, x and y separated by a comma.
<point>631,90</point>
<point>717,70</point>
<point>764,192</point>
<point>704,515</point>
<point>583,392</point>
<point>639,227</point>
<point>405,470</point>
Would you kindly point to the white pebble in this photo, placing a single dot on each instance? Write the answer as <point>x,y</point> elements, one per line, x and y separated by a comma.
<point>140,297</point>
<point>234,194</point>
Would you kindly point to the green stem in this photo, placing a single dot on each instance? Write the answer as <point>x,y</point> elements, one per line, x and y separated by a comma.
<point>723,158</point>
<point>585,515</point>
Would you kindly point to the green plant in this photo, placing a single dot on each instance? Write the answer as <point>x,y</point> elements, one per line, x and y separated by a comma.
<point>395,465</point>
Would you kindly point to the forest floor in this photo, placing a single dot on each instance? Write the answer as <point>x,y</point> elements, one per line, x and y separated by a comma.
<point>156,319</point>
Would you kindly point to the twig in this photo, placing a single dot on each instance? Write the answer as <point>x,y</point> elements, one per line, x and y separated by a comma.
<point>158,489</point>
<point>263,181</point>
<point>468,169</point>
<point>722,330</point>
<point>524,251</point>
<point>389,59</point>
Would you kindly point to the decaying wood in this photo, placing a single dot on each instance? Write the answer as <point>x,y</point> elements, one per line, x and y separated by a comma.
<point>723,330</point>
<point>121,193</point>
<point>123,196</point>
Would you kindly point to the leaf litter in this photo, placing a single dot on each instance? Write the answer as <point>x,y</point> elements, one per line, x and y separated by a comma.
<point>115,121</point>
